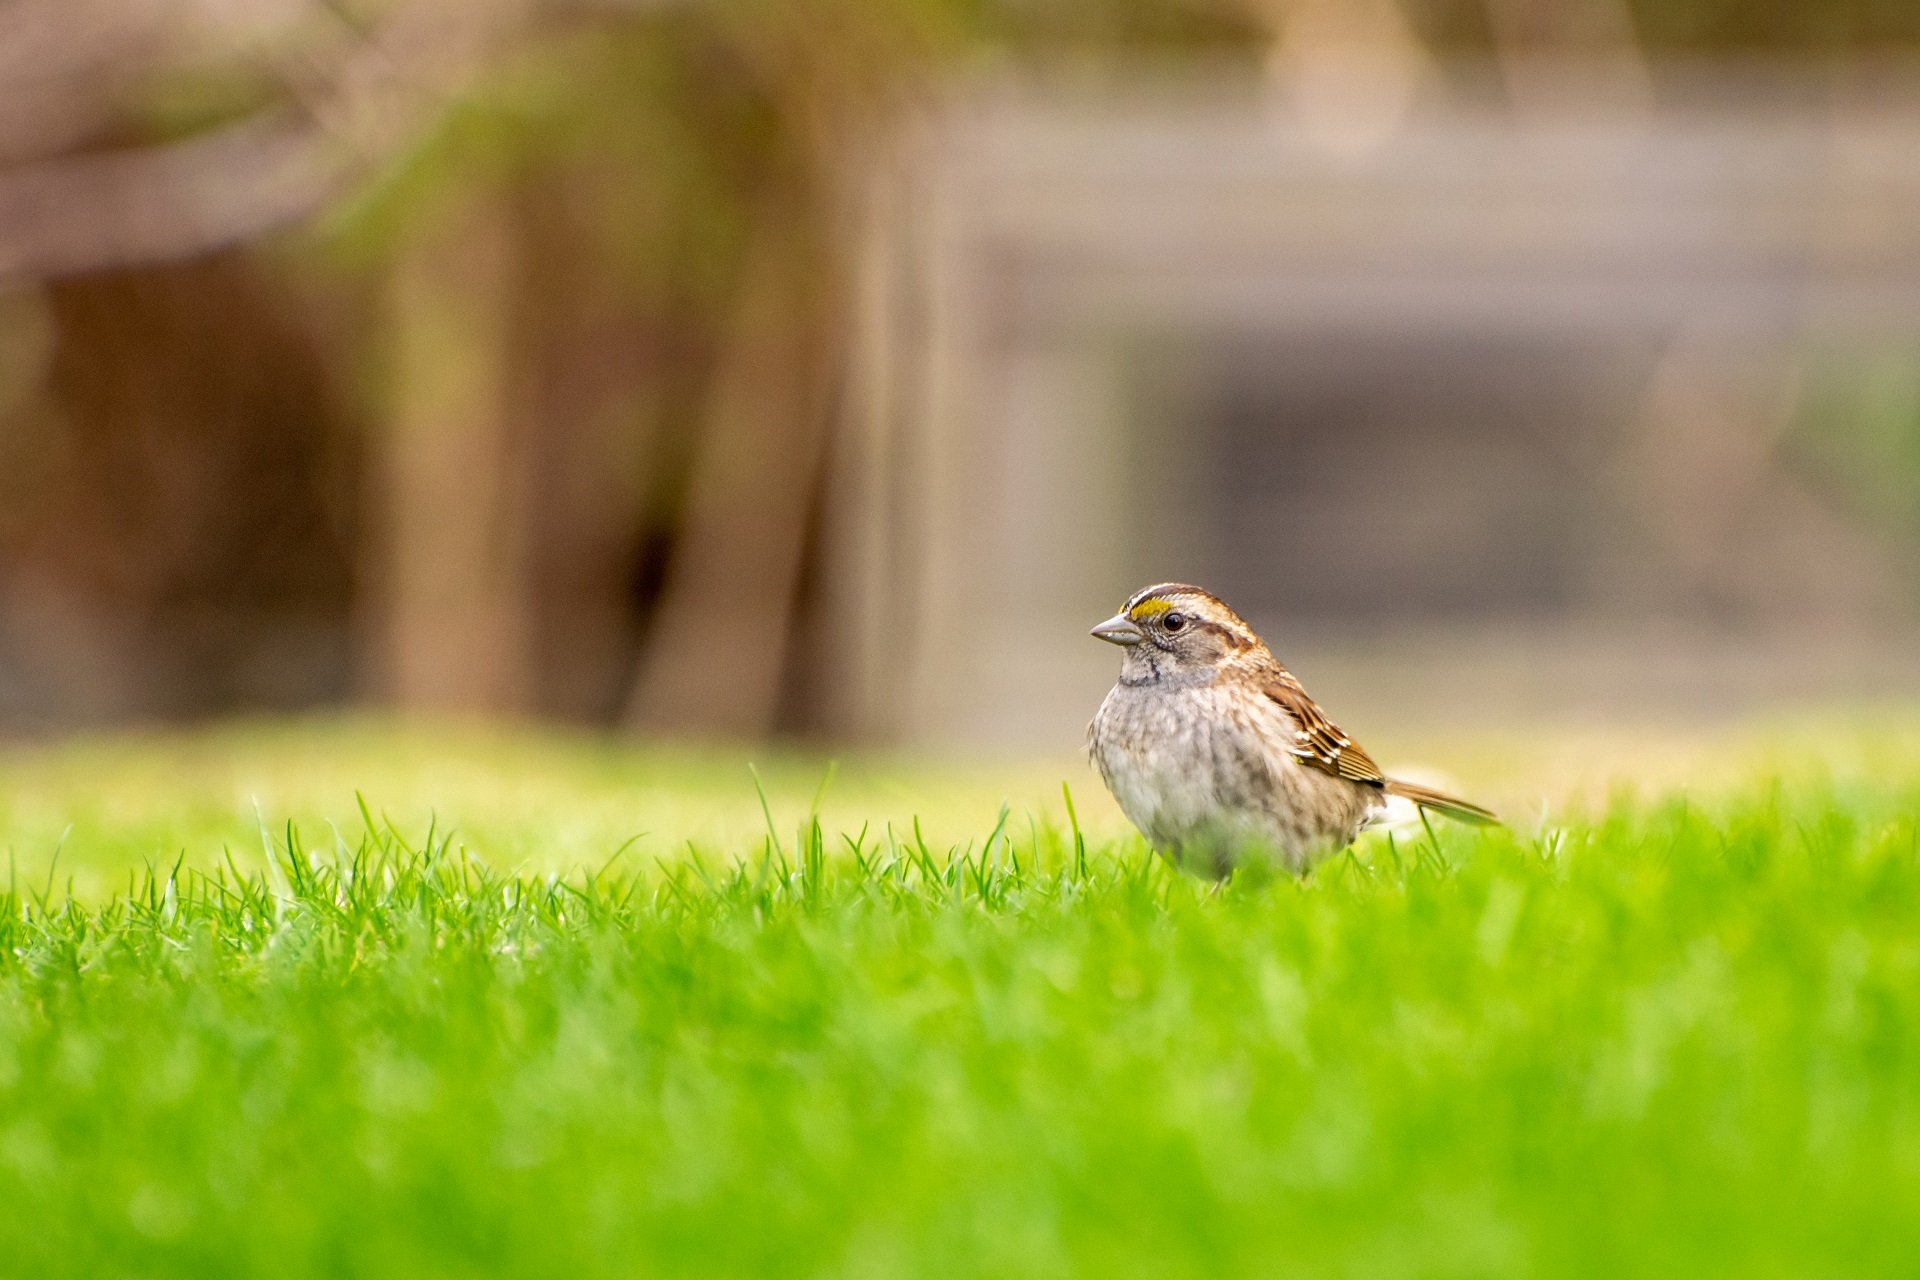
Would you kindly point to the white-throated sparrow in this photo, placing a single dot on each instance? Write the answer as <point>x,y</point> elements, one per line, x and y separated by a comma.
<point>1217,754</point>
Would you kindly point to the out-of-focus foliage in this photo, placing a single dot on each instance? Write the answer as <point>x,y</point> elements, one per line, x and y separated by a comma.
<point>1861,428</point>
<point>411,351</point>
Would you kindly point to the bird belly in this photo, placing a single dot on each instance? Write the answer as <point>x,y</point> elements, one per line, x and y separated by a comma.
<point>1209,781</point>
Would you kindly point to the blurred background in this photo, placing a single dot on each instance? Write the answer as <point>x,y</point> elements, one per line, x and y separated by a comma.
<point>731,368</point>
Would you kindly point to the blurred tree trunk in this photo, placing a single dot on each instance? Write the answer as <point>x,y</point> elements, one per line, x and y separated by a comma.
<point>724,624</point>
<point>606,365</point>
<point>455,628</point>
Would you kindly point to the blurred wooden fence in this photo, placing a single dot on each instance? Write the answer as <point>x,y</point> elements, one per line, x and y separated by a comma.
<point>1509,410</point>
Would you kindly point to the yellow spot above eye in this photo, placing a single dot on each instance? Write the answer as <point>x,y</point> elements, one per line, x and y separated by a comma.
<point>1150,609</point>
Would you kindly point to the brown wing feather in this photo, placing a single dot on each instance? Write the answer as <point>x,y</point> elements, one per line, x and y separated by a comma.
<point>1318,740</point>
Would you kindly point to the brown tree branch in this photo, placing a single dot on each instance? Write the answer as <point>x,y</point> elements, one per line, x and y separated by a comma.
<point>118,209</point>
<point>353,110</point>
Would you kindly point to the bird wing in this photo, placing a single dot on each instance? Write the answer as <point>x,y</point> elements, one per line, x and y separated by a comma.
<point>1317,741</point>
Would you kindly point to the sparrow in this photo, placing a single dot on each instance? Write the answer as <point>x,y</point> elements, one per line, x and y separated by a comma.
<point>1216,753</point>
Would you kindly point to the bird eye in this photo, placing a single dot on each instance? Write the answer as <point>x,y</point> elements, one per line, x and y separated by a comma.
<point>1174,621</point>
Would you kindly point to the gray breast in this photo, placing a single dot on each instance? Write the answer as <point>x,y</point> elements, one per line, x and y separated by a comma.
<point>1197,768</point>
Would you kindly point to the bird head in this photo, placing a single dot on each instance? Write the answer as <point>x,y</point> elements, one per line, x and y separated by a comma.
<point>1174,629</point>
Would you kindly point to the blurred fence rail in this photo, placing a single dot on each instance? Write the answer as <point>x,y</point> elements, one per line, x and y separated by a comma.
<point>727,368</point>
<point>1506,400</point>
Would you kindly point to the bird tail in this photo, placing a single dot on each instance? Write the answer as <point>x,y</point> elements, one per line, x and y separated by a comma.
<point>1441,802</point>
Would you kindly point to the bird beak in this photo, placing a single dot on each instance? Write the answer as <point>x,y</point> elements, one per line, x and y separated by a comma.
<point>1119,629</point>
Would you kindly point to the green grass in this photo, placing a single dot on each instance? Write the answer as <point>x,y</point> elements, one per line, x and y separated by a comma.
<point>1673,1038</point>
<point>90,811</point>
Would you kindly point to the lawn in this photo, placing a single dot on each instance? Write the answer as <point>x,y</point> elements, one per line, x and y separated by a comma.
<point>252,1024</point>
